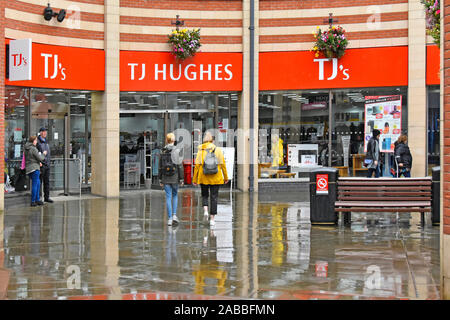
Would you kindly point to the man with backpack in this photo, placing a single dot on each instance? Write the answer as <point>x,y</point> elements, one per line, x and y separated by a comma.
<point>210,173</point>
<point>171,175</point>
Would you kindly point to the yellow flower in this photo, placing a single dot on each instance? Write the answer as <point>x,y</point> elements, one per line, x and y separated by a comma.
<point>318,27</point>
<point>184,30</point>
<point>317,54</point>
<point>315,48</point>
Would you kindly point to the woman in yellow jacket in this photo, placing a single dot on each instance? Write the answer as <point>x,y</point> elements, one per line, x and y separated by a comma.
<point>209,183</point>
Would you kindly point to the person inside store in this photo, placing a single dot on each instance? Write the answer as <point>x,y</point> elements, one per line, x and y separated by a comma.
<point>373,155</point>
<point>171,175</point>
<point>210,173</point>
<point>276,151</point>
<point>33,162</point>
<point>42,145</point>
<point>402,158</point>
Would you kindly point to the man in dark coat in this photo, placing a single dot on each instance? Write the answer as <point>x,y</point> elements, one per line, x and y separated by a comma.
<point>42,145</point>
<point>373,153</point>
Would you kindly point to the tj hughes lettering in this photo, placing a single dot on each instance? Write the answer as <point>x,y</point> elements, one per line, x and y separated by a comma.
<point>191,72</point>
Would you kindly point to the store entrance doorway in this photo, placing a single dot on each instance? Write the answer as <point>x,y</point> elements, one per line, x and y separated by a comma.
<point>142,137</point>
<point>65,115</point>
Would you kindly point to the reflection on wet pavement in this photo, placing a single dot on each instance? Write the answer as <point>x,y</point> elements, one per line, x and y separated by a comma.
<point>260,248</point>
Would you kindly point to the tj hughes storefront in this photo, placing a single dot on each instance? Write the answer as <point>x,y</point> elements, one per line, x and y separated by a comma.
<point>311,112</point>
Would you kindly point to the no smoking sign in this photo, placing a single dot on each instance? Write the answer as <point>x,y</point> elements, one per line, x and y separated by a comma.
<point>322,184</point>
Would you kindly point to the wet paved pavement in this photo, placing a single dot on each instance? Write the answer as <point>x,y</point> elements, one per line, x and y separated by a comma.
<point>264,249</point>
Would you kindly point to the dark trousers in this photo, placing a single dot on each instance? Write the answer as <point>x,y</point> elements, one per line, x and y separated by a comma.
<point>212,189</point>
<point>370,172</point>
<point>45,181</point>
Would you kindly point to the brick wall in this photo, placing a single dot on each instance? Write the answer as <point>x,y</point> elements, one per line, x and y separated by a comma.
<point>446,121</point>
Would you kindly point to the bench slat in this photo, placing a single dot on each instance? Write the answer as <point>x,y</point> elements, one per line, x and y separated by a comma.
<point>382,204</point>
<point>382,179</point>
<point>393,209</point>
<point>382,188</point>
<point>384,183</point>
<point>382,193</point>
<point>374,198</point>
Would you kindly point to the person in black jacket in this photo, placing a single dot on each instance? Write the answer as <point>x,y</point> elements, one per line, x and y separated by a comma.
<point>42,145</point>
<point>373,153</point>
<point>403,158</point>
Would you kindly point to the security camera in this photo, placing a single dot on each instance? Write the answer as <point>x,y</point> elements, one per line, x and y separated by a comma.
<point>61,15</point>
<point>48,13</point>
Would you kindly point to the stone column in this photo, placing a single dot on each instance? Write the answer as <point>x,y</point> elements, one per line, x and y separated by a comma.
<point>105,112</point>
<point>445,150</point>
<point>417,98</point>
<point>417,91</point>
<point>243,138</point>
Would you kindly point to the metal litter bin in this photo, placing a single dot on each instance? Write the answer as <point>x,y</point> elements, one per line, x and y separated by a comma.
<point>322,195</point>
<point>436,195</point>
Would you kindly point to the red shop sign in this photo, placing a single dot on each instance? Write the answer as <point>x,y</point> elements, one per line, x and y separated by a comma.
<point>322,184</point>
<point>65,68</point>
<point>160,71</point>
<point>366,67</point>
<point>433,65</point>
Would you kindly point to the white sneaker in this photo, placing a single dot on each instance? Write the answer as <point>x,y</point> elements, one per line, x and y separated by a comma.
<point>212,223</point>
<point>174,218</point>
<point>169,223</point>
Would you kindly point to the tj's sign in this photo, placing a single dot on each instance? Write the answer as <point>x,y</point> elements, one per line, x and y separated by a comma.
<point>20,60</point>
<point>55,66</point>
<point>334,74</point>
<point>368,67</point>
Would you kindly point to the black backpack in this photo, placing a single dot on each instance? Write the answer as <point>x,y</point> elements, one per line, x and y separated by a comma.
<point>20,181</point>
<point>167,166</point>
<point>210,164</point>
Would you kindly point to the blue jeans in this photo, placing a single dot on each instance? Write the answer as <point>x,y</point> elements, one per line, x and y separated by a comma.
<point>35,185</point>
<point>171,198</point>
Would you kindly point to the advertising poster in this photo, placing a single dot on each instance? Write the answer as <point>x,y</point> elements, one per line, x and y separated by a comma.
<point>385,114</point>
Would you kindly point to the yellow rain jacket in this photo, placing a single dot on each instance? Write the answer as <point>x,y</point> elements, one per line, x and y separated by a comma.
<point>277,154</point>
<point>221,174</point>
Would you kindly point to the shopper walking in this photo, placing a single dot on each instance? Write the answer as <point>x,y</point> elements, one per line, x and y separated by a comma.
<point>33,162</point>
<point>210,173</point>
<point>402,157</point>
<point>373,154</point>
<point>42,145</point>
<point>171,175</point>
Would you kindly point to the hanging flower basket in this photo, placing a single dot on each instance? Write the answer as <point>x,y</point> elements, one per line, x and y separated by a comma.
<point>185,43</point>
<point>433,19</point>
<point>331,43</point>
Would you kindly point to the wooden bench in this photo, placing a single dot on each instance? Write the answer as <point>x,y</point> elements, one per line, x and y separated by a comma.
<point>383,195</point>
